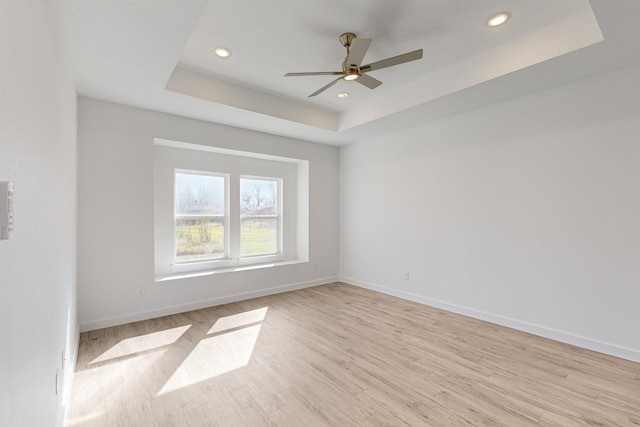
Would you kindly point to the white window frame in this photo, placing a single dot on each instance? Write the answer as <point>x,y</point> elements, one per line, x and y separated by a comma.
<point>232,219</point>
<point>225,260</point>
<point>272,257</point>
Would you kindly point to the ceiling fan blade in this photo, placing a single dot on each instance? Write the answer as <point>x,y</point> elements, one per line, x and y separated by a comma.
<point>315,73</point>
<point>368,81</point>
<point>394,60</point>
<point>357,51</point>
<point>325,87</point>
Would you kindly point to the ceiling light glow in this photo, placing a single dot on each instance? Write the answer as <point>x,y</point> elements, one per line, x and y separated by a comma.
<point>343,95</point>
<point>498,19</point>
<point>222,52</point>
<point>351,76</point>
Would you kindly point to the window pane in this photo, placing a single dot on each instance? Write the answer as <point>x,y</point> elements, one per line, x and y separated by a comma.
<point>199,194</point>
<point>258,197</point>
<point>258,236</point>
<point>199,238</point>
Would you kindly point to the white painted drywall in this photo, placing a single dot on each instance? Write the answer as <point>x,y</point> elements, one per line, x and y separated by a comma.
<point>38,262</point>
<point>116,216</point>
<point>524,213</point>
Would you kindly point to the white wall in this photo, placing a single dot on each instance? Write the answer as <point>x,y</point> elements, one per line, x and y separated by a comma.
<point>115,216</point>
<point>524,213</point>
<point>38,262</point>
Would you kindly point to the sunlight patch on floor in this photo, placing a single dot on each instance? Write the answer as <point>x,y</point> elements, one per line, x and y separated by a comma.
<point>214,356</point>
<point>142,343</point>
<point>228,349</point>
<point>99,388</point>
<point>238,320</point>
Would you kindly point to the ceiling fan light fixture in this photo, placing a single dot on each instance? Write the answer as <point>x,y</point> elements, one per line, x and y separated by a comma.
<point>498,19</point>
<point>222,52</point>
<point>352,75</point>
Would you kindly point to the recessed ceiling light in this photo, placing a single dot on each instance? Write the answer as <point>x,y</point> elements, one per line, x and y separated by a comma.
<point>343,95</point>
<point>498,19</point>
<point>222,52</point>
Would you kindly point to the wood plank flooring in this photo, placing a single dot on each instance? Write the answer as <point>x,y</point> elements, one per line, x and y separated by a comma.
<point>338,355</point>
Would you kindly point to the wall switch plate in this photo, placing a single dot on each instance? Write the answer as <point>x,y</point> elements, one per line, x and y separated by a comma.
<point>6,209</point>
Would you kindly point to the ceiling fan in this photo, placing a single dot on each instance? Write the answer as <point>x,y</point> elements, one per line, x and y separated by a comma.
<point>351,68</point>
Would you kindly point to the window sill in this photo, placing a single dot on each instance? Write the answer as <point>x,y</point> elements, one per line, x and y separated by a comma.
<point>235,269</point>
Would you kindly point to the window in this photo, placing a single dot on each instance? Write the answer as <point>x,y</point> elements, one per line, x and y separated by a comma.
<point>201,222</point>
<point>203,218</point>
<point>226,210</point>
<point>200,216</point>
<point>259,217</point>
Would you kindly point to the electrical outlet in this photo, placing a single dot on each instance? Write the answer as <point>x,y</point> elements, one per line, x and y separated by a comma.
<point>315,266</point>
<point>406,276</point>
<point>140,291</point>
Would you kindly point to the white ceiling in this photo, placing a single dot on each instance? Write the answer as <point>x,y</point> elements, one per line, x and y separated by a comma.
<point>158,54</point>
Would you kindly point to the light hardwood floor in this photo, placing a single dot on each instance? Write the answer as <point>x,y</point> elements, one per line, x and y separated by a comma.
<point>338,355</point>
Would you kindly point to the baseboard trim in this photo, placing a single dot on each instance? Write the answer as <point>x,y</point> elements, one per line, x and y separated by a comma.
<point>70,366</point>
<point>196,305</point>
<point>556,335</point>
